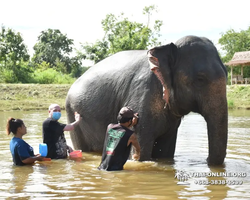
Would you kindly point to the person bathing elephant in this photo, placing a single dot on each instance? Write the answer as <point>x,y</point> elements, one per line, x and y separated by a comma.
<point>187,76</point>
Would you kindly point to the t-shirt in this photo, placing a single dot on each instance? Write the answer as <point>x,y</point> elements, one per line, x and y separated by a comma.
<point>53,136</point>
<point>20,150</point>
<point>116,149</point>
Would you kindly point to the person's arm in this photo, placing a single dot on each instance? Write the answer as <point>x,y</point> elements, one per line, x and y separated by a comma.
<point>26,155</point>
<point>31,160</point>
<point>70,127</point>
<point>135,143</point>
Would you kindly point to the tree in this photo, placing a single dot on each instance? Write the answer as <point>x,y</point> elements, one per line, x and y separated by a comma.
<point>54,48</point>
<point>233,41</point>
<point>94,52</point>
<point>13,57</point>
<point>12,48</point>
<point>122,34</point>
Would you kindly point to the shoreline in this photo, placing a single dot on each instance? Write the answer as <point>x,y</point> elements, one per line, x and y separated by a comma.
<point>39,96</point>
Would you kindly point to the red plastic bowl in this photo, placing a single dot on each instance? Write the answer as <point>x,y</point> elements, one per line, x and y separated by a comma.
<point>76,154</point>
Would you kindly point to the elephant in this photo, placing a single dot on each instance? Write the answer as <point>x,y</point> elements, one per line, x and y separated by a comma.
<point>163,85</point>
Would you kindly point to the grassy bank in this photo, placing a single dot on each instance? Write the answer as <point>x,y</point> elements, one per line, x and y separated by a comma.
<point>40,96</point>
<point>238,96</point>
<point>32,96</point>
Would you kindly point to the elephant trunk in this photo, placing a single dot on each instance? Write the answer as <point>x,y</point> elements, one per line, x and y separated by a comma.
<point>217,137</point>
<point>216,116</point>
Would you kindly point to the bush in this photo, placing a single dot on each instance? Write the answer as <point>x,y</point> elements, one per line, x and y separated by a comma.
<point>50,76</point>
<point>8,76</point>
<point>21,73</point>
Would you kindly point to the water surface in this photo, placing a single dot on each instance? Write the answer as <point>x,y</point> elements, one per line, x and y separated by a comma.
<point>80,179</point>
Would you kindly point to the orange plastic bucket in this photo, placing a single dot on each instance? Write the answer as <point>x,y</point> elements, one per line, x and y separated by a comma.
<point>76,154</point>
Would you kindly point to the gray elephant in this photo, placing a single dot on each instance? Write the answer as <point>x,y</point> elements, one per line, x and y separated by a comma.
<point>185,76</point>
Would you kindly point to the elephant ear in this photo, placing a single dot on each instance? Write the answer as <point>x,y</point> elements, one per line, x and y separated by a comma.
<point>162,60</point>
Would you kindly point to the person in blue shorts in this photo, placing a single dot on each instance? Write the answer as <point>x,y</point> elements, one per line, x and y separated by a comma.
<point>22,153</point>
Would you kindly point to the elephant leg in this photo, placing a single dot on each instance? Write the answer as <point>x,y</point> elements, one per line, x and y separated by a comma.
<point>164,146</point>
<point>146,149</point>
<point>146,141</point>
<point>86,140</point>
<point>79,140</point>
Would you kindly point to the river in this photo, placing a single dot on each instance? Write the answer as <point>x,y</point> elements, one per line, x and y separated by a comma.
<point>187,177</point>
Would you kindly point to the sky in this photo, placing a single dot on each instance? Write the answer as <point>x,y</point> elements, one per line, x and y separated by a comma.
<point>81,20</point>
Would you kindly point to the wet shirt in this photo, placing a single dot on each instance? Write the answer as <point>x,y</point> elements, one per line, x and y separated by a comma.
<point>115,151</point>
<point>20,150</point>
<point>53,136</point>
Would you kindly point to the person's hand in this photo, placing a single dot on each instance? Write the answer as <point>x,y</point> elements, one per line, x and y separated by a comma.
<point>136,156</point>
<point>70,149</point>
<point>70,127</point>
<point>135,119</point>
<point>38,157</point>
<point>77,116</point>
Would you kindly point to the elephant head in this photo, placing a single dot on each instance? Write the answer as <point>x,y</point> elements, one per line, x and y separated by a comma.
<point>194,80</point>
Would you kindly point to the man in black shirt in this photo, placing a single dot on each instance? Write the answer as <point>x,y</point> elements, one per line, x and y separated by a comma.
<point>53,133</point>
<point>118,141</point>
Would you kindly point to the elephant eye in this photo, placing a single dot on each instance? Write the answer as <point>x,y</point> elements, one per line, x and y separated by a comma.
<point>201,80</point>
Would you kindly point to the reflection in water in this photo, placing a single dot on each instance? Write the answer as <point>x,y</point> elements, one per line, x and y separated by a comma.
<point>80,179</point>
<point>20,177</point>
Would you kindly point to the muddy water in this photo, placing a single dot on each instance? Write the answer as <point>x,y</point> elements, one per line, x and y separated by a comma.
<point>187,177</point>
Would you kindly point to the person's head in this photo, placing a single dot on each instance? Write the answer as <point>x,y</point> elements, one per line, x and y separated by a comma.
<point>15,126</point>
<point>125,115</point>
<point>55,111</point>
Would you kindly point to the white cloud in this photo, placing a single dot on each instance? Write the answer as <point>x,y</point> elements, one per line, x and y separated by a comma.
<point>81,19</point>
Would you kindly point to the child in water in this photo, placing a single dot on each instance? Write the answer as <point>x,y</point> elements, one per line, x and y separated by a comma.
<point>22,152</point>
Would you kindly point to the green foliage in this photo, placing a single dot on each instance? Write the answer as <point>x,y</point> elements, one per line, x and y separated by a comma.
<point>238,96</point>
<point>233,41</point>
<point>43,66</point>
<point>54,48</point>
<point>122,34</point>
<point>96,52</point>
<point>12,48</point>
<point>241,88</point>
<point>8,76</point>
<point>230,104</point>
<point>21,74</point>
<point>13,53</point>
<point>50,76</point>
<point>52,45</point>
<point>14,67</point>
<point>51,52</point>
<point>24,74</point>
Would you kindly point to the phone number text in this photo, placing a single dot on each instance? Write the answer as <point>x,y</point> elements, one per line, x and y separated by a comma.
<point>218,182</point>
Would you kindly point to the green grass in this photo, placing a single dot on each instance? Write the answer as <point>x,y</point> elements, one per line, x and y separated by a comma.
<point>32,96</point>
<point>238,96</point>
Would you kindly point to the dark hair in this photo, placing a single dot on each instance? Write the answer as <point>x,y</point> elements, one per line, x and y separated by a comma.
<point>13,125</point>
<point>121,119</point>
